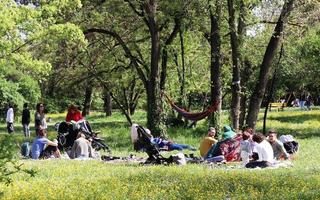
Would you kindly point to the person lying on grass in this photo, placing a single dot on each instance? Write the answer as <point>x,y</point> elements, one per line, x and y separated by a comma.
<point>168,145</point>
<point>279,152</point>
<point>43,148</point>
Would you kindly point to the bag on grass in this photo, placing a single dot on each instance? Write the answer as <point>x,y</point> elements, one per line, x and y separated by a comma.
<point>25,149</point>
<point>289,143</point>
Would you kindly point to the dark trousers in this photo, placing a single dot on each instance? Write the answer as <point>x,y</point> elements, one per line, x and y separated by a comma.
<point>10,127</point>
<point>48,152</point>
<point>261,164</point>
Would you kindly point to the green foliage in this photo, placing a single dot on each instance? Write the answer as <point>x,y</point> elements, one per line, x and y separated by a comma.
<point>9,165</point>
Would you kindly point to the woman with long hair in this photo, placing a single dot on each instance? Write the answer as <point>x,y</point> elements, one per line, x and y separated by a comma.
<point>40,118</point>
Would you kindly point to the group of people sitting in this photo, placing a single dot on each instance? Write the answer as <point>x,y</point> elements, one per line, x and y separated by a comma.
<point>43,148</point>
<point>253,149</point>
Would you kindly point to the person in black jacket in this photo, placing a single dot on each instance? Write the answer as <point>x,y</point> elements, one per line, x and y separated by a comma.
<point>26,120</point>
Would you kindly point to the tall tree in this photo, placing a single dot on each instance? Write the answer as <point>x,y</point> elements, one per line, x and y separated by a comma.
<point>265,68</point>
<point>236,88</point>
<point>214,40</point>
<point>149,72</point>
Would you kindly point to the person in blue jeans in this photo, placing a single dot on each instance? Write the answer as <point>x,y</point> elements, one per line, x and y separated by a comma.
<point>170,145</point>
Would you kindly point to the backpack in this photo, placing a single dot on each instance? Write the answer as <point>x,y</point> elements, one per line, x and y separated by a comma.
<point>291,147</point>
<point>25,149</point>
<point>289,144</point>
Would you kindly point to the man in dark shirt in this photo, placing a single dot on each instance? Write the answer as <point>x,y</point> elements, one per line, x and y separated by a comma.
<point>26,120</point>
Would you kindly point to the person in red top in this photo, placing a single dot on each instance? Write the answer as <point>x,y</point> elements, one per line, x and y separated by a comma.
<point>73,114</point>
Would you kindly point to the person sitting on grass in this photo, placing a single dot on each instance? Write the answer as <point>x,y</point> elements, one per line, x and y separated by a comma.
<point>42,147</point>
<point>246,150</point>
<point>81,148</point>
<point>208,142</point>
<point>168,145</point>
<point>262,153</point>
<point>279,152</point>
<point>227,132</point>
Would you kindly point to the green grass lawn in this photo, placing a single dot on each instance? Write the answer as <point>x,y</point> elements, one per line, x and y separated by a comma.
<point>69,179</point>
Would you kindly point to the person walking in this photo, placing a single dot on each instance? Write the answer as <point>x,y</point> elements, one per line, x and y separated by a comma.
<point>9,119</point>
<point>26,120</point>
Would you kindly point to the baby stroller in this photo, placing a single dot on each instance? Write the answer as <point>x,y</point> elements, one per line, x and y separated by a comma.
<point>143,143</point>
<point>67,134</point>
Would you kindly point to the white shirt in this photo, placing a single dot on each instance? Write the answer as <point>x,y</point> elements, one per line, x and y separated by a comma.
<point>264,151</point>
<point>134,133</point>
<point>9,118</point>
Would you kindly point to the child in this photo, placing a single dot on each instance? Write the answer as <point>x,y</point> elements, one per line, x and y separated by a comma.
<point>245,146</point>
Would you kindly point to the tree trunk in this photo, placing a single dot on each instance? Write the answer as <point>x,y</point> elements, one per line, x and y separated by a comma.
<point>235,87</point>
<point>87,100</point>
<point>164,61</point>
<point>107,103</point>
<point>215,83</point>
<point>153,85</point>
<point>246,74</point>
<point>265,68</point>
<point>246,70</point>
<point>243,107</point>
<point>164,58</point>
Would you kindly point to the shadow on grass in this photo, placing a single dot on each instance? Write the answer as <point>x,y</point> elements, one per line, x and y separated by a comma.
<point>299,133</point>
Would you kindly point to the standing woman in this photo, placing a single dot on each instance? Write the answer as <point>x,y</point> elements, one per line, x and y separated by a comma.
<point>40,118</point>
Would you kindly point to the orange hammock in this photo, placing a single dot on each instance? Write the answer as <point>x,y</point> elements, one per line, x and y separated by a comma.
<point>193,116</point>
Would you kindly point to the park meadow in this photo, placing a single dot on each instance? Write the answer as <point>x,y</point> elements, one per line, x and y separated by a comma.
<point>92,179</point>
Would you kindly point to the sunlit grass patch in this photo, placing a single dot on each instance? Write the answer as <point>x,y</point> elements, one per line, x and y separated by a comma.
<point>70,179</point>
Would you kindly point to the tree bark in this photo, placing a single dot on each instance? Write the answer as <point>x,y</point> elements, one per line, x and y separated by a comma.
<point>87,100</point>
<point>235,87</point>
<point>246,74</point>
<point>153,87</point>
<point>164,58</point>
<point>107,103</point>
<point>215,45</point>
<point>265,68</point>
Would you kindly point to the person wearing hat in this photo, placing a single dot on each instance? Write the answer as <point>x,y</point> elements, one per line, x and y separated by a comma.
<point>227,132</point>
<point>208,142</point>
